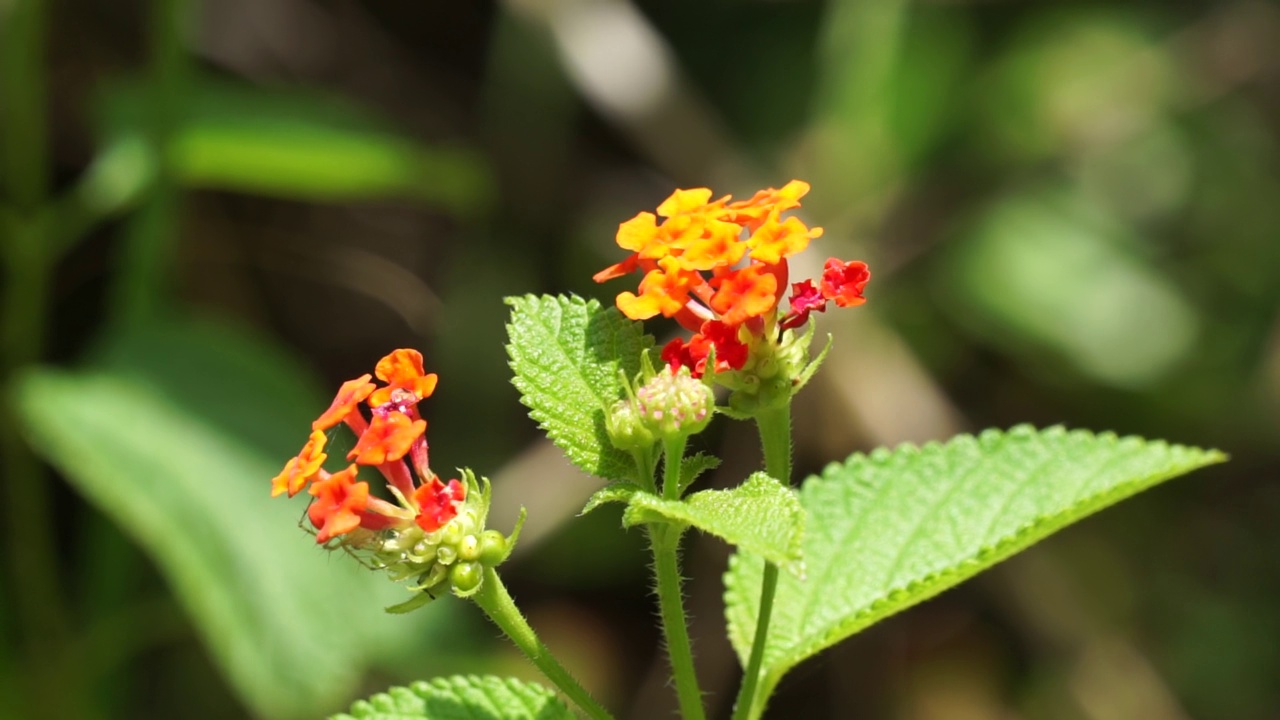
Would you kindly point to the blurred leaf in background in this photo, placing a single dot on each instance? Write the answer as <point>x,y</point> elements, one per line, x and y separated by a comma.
<point>173,431</point>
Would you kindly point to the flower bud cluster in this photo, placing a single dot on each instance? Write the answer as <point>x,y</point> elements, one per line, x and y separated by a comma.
<point>674,404</point>
<point>668,404</point>
<point>452,557</point>
<point>771,374</point>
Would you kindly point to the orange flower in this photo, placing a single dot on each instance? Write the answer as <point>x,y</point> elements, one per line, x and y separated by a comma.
<point>776,240</point>
<point>302,469</point>
<point>638,233</point>
<point>764,202</point>
<point>402,370</point>
<point>664,291</point>
<point>388,438</point>
<point>350,395</point>
<point>438,503</point>
<point>682,202</point>
<point>339,504</point>
<point>746,293</point>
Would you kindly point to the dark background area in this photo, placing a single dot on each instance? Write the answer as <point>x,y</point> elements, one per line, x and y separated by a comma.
<point>1072,216</point>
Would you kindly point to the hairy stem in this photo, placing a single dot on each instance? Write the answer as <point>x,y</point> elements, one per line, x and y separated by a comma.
<point>665,542</point>
<point>775,439</point>
<point>497,604</point>
<point>664,539</point>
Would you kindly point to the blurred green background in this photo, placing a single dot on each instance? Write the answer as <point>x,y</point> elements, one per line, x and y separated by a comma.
<point>215,212</point>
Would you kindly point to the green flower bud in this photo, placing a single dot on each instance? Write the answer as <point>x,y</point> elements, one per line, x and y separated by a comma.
<point>466,578</point>
<point>446,554</point>
<point>493,548</point>
<point>675,405</point>
<point>469,548</point>
<point>627,430</point>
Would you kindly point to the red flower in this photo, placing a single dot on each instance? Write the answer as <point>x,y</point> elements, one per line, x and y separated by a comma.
<point>438,503</point>
<point>805,298</point>
<point>843,281</point>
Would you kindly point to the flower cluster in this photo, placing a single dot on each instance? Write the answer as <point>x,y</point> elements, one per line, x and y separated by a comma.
<point>434,530</point>
<point>719,268</point>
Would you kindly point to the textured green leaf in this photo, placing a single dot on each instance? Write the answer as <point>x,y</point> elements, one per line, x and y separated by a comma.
<point>613,492</point>
<point>566,353</point>
<point>462,698</point>
<point>174,433</point>
<point>889,530</point>
<point>693,466</point>
<point>761,516</point>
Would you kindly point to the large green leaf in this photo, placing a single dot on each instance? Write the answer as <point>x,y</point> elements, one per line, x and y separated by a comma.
<point>462,698</point>
<point>569,355</point>
<point>174,434</point>
<point>761,516</point>
<point>297,144</point>
<point>888,530</point>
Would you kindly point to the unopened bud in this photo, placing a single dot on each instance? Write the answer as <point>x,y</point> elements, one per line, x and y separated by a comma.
<point>466,578</point>
<point>469,548</point>
<point>493,547</point>
<point>627,431</point>
<point>675,404</point>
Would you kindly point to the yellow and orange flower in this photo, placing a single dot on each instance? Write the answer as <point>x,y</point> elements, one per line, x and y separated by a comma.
<point>719,268</point>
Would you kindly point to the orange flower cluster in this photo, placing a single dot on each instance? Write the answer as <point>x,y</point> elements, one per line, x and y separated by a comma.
<point>720,269</point>
<point>394,433</point>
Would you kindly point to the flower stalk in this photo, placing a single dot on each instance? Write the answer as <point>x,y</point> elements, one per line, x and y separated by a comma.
<point>775,439</point>
<point>497,604</point>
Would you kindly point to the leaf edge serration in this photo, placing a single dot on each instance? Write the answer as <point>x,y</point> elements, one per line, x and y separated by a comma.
<point>609,463</point>
<point>901,598</point>
<point>406,700</point>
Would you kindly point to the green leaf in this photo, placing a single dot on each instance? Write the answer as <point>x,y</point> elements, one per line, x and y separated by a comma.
<point>889,530</point>
<point>462,698</point>
<point>613,492</point>
<point>297,144</point>
<point>693,466</point>
<point>808,372</point>
<point>762,516</point>
<point>174,434</point>
<point>567,353</point>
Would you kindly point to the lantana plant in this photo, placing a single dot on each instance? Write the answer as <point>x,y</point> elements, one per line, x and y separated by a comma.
<point>870,536</point>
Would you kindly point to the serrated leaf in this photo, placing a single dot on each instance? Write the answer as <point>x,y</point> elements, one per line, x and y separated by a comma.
<point>566,353</point>
<point>693,466</point>
<point>761,515</point>
<point>462,698</point>
<point>613,492</point>
<point>889,530</point>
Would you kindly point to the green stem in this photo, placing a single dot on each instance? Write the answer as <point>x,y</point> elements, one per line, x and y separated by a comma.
<point>775,439</point>
<point>151,233</point>
<point>496,603</point>
<point>38,604</point>
<point>673,456</point>
<point>664,539</point>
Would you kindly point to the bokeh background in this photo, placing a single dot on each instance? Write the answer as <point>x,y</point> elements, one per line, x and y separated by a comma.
<point>214,212</point>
